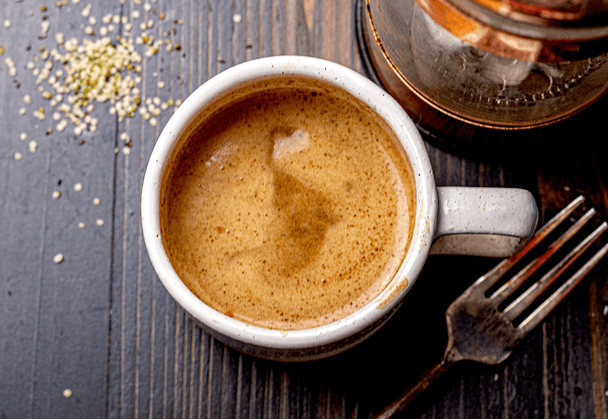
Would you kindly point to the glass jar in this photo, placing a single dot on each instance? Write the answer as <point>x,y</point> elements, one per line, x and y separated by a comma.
<point>479,68</point>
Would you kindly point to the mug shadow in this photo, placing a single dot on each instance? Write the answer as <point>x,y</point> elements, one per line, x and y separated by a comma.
<point>378,370</point>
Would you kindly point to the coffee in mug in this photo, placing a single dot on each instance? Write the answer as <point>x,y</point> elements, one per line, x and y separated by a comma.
<point>288,204</point>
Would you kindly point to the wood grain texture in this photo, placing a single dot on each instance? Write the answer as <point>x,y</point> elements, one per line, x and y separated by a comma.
<point>101,323</point>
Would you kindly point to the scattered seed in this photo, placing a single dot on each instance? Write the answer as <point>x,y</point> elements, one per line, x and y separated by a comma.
<point>126,150</point>
<point>236,18</point>
<point>12,69</point>
<point>78,187</point>
<point>96,201</point>
<point>56,194</point>
<point>67,392</point>
<point>39,114</point>
<point>44,27</point>
<point>80,225</point>
<point>27,99</point>
<point>86,11</point>
<point>58,258</point>
<point>18,156</point>
<point>33,145</point>
<point>23,136</point>
<point>7,23</point>
<point>99,222</point>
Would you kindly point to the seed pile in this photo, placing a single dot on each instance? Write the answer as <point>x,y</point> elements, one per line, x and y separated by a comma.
<point>97,68</point>
<point>77,75</point>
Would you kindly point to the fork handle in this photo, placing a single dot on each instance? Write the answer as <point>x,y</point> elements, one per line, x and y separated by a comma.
<point>415,389</point>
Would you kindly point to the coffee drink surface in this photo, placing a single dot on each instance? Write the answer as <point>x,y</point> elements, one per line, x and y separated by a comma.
<point>288,206</point>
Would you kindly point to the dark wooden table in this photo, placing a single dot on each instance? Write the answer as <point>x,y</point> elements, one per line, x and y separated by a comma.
<point>98,336</point>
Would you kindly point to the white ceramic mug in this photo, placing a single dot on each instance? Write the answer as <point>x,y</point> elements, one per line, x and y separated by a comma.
<point>467,218</point>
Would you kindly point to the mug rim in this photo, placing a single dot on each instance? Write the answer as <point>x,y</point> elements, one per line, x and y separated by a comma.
<point>380,102</point>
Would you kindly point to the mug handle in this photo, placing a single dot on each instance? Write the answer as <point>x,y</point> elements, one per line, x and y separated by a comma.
<point>491,222</point>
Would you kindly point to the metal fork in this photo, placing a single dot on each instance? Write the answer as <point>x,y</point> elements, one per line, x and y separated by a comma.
<point>479,329</point>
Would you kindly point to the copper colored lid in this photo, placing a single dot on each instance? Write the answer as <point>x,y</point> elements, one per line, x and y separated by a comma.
<point>532,30</point>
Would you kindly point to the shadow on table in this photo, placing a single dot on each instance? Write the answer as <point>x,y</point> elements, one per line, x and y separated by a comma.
<point>374,373</point>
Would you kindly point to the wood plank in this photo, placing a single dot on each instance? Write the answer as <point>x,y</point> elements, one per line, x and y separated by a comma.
<point>60,330</point>
<point>575,338</point>
<point>73,307</point>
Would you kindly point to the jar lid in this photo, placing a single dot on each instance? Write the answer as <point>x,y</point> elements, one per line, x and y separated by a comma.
<point>532,30</point>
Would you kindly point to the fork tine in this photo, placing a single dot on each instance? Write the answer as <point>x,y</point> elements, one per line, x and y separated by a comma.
<point>549,304</point>
<point>489,279</point>
<point>526,299</point>
<point>513,284</point>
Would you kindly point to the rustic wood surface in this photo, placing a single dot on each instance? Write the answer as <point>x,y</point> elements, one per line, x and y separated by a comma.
<point>101,324</point>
